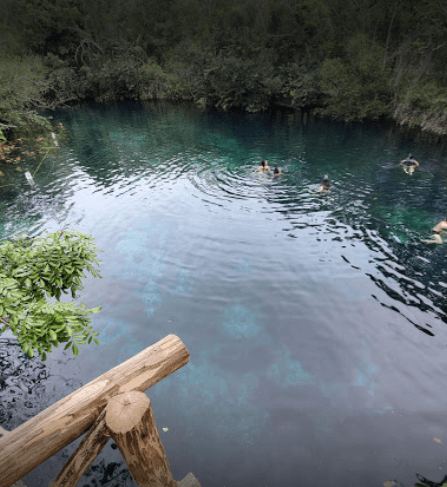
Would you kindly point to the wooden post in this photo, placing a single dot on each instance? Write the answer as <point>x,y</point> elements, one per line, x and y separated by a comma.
<point>84,454</point>
<point>36,440</point>
<point>132,426</point>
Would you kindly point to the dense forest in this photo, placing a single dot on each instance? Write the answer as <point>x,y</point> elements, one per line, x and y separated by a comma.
<point>349,60</point>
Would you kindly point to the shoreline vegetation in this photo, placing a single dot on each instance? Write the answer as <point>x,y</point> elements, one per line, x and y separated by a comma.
<point>352,61</point>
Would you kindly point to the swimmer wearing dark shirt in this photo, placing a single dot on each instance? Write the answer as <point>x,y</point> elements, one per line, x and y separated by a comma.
<point>409,164</point>
<point>325,185</point>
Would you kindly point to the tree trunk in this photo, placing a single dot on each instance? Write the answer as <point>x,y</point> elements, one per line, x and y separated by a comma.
<point>388,37</point>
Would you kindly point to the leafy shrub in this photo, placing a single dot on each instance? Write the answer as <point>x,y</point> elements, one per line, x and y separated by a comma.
<point>21,86</point>
<point>63,82</point>
<point>236,83</point>
<point>423,106</point>
<point>154,82</point>
<point>427,95</point>
<point>356,87</point>
<point>300,84</point>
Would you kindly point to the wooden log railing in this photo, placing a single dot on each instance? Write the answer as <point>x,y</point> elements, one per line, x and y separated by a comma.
<point>94,406</point>
<point>132,425</point>
<point>89,448</point>
<point>19,483</point>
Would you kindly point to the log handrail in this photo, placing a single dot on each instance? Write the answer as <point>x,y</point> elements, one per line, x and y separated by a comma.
<point>90,446</point>
<point>19,483</point>
<point>36,440</point>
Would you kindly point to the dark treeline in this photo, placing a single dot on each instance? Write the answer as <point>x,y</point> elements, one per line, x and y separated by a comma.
<point>347,59</point>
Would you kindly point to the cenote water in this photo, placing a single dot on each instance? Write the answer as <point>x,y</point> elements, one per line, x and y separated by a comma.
<point>316,323</point>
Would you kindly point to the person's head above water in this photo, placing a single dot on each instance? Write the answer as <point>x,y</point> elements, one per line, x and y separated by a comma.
<point>277,170</point>
<point>326,180</point>
<point>264,163</point>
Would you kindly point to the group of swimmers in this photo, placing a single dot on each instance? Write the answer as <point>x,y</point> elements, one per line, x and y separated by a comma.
<point>409,165</point>
<point>264,167</point>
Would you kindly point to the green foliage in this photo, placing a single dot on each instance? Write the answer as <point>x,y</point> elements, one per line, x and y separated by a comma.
<point>300,84</point>
<point>231,82</point>
<point>21,85</point>
<point>428,95</point>
<point>423,106</point>
<point>34,270</point>
<point>153,82</point>
<point>127,73</point>
<point>63,83</point>
<point>356,87</point>
<point>46,25</point>
<point>357,59</point>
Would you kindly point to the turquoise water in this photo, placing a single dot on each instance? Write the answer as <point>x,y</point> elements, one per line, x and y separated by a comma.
<point>315,323</point>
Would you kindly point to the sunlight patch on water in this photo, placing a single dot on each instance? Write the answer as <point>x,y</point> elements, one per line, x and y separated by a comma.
<point>145,263</point>
<point>242,265</point>
<point>184,282</point>
<point>114,330</point>
<point>240,322</point>
<point>287,372</point>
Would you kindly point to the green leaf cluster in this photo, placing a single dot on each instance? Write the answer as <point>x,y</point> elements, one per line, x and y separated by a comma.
<point>300,83</point>
<point>229,80</point>
<point>356,86</point>
<point>125,73</point>
<point>33,270</point>
<point>354,59</point>
<point>21,86</point>
<point>427,96</point>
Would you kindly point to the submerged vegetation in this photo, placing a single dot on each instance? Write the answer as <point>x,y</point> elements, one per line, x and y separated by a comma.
<point>350,60</point>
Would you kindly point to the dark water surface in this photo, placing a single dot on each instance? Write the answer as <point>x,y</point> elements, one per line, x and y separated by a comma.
<point>316,324</point>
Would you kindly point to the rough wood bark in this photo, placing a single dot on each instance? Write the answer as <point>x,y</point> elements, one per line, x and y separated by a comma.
<point>29,445</point>
<point>19,483</point>
<point>84,454</point>
<point>132,425</point>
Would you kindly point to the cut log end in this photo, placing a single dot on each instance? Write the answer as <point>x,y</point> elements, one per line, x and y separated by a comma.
<point>125,411</point>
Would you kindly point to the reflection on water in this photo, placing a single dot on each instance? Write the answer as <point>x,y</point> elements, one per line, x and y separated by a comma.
<point>315,322</point>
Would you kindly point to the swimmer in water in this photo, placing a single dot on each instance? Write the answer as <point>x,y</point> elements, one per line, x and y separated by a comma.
<point>263,167</point>
<point>277,172</point>
<point>436,232</point>
<point>325,185</point>
<point>409,164</point>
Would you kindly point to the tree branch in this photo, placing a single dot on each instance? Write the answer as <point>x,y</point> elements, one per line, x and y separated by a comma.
<point>439,47</point>
<point>5,322</point>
